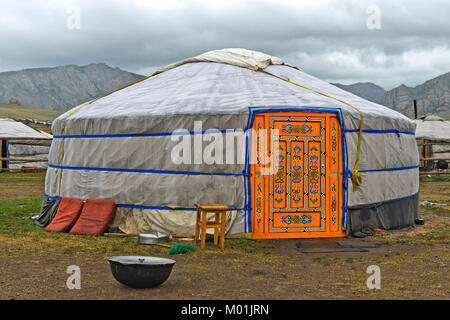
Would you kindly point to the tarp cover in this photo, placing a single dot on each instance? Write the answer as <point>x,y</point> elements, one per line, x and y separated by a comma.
<point>238,57</point>
<point>49,207</point>
<point>126,156</point>
<point>135,221</point>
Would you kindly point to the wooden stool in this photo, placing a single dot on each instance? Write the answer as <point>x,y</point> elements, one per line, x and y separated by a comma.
<point>202,211</point>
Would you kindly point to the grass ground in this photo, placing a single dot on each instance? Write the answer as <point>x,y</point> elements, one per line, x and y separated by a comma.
<point>33,262</point>
<point>20,112</point>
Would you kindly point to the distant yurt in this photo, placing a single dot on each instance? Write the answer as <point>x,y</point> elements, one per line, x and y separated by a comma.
<point>23,145</point>
<point>433,138</point>
<point>292,156</point>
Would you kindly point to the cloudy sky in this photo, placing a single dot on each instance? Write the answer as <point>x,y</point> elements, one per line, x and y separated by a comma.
<point>385,42</point>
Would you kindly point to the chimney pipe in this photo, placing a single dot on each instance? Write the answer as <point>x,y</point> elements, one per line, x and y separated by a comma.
<point>415,109</point>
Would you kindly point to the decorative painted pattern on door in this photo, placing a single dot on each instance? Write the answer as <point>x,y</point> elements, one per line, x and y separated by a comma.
<point>298,192</point>
<point>297,168</point>
<point>279,176</point>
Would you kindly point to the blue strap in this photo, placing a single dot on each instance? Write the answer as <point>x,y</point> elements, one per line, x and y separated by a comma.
<point>348,174</point>
<point>390,169</point>
<point>396,131</point>
<point>159,134</point>
<point>146,171</point>
<point>153,207</point>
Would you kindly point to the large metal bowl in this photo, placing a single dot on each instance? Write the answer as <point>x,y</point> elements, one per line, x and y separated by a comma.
<point>152,237</point>
<point>141,271</point>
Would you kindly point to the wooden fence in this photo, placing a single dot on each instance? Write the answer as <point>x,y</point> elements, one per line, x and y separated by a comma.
<point>4,157</point>
<point>427,159</point>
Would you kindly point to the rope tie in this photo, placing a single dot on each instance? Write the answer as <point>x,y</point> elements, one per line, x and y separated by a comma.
<point>76,110</point>
<point>355,177</point>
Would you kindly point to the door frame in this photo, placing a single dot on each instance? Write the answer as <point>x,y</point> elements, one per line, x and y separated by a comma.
<point>260,198</point>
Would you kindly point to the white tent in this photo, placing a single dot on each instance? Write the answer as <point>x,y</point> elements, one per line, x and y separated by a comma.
<point>120,148</point>
<point>21,141</point>
<point>433,129</point>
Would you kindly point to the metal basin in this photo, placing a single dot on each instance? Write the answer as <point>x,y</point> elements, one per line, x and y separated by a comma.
<point>141,271</point>
<point>152,237</point>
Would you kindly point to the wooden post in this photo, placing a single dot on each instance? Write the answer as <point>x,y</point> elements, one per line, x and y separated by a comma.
<point>204,218</point>
<point>415,109</point>
<point>425,153</point>
<point>197,227</point>
<point>4,153</point>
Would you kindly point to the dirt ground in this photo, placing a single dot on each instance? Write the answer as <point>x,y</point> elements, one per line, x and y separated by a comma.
<point>414,264</point>
<point>21,185</point>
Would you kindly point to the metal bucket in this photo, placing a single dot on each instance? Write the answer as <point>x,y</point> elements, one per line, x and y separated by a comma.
<point>152,237</point>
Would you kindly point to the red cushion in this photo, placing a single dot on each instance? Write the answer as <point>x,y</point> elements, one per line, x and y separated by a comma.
<point>68,212</point>
<point>94,218</point>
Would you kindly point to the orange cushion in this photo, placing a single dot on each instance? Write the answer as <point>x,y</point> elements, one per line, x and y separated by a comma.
<point>68,212</point>
<point>94,218</point>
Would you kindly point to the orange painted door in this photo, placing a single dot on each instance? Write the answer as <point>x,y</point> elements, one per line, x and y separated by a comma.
<point>296,176</point>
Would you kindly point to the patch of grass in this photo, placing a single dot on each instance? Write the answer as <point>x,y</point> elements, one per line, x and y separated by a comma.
<point>21,185</point>
<point>442,177</point>
<point>403,276</point>
<point>17,230</point>
<point>443,211</point>
<point>21,112</point>
<point>440,233</point>
<point>248,245</point>
<point>405,241</point>
<point>14,215</point>
<point>319,258</point>
<point>19,176</point>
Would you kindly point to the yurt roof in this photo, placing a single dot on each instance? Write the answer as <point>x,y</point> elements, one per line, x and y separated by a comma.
<point>227,82</point>
<point>432,117</point>
<point>10,128</point>
<point>438,130</point>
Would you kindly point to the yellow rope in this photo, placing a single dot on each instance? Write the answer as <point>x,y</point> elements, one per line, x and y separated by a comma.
<point>356,177</point>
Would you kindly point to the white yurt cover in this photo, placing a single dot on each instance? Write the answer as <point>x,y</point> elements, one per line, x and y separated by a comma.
<point>118,147</point>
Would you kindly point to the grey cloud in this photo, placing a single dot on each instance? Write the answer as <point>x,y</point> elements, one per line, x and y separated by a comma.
<point>328,39</point>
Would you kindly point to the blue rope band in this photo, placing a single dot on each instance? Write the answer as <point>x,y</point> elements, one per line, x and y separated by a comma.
<point>146,171</point>
<point>154,207</point>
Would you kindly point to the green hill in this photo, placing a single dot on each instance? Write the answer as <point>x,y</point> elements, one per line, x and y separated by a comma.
<point>19,112</point>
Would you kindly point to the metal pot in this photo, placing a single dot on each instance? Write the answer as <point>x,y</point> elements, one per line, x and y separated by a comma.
<point>141,271</point>
<point>152,237</point>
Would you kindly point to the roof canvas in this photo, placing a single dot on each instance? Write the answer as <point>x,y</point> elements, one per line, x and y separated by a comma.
<point>10,128</point>
<point>225,82</point>
<point>433,130</point>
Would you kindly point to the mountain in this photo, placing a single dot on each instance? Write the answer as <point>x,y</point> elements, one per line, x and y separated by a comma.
<point>366,90</point>
<point>433,97</point>
<point>63,87</point>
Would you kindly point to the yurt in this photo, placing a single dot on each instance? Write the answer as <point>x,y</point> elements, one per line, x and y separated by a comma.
<point>433,139</point>
<point>292,156</point>
<point>22,146</point>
